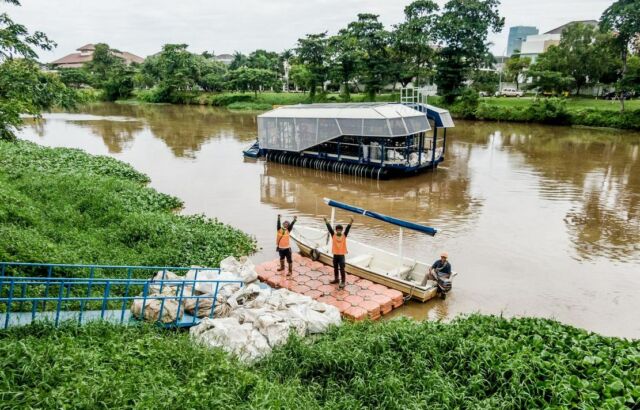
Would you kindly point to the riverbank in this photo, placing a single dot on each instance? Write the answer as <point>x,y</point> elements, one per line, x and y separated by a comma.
<point>60,205</point>
<point>569,111</point>
<point>479,361</point>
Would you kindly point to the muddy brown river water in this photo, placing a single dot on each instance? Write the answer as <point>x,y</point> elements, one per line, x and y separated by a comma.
<point>538,220</point>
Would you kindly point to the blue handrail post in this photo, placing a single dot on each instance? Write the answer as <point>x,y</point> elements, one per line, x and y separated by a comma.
<point>145,293</point>
<point>193,290</point>
<point>215,300</point>
<point>82,303</point>
<point>9,301</point>
<point>179,301</point>
<point>105,298</point>
<point>126,294</point>
<point>59,303</point>
<point>46,288</point>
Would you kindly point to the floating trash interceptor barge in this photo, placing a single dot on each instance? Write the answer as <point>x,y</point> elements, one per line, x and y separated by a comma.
<point>374,140</point>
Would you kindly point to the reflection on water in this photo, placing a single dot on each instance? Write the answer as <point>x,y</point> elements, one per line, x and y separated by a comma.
<point>597,170</point>
<point>538,220</point>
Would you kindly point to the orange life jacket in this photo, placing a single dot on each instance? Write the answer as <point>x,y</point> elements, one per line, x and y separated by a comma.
<point>282,239</point>
<point>339,244</point>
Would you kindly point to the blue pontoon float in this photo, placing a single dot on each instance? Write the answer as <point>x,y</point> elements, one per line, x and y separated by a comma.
<point>373,140</point>
<point>45,292</point>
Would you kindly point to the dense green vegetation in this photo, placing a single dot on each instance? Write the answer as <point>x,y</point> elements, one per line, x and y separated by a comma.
<point>24,87</point>
<point>475,362</point>
<point>595,113</point>
<point>62,205</point>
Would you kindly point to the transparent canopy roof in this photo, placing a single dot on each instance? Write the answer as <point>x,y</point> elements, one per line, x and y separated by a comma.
<point>299,127</point>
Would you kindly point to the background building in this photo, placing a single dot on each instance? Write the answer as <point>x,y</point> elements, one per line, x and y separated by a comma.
<point>77,60</point>
<point>534,45</point>
<point>517,35</point>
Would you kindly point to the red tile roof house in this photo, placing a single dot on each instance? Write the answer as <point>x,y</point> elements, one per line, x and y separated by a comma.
<point>77,60</point>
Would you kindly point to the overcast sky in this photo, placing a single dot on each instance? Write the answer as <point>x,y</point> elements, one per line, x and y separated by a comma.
<point>143,26</point>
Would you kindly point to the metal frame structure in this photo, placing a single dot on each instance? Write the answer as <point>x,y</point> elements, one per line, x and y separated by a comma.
<point>376,140</point>
<point>24,299</point>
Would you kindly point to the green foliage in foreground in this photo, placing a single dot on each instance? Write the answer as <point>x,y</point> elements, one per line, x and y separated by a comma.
<point>64,206</point>
<point>475,362</point>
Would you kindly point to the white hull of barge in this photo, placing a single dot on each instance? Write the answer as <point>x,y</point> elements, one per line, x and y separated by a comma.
<point>368,262</point>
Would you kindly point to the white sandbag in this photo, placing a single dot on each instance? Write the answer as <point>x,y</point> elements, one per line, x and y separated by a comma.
<point>202,286</point>
<point>243,340</point>
<point>167,283</point>
<point>199,306</point>
<point>171,310</point>
<point>244,295</point>
<point>243,268</point>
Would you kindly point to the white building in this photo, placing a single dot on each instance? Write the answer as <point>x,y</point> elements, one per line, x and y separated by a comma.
<point>535,45</point>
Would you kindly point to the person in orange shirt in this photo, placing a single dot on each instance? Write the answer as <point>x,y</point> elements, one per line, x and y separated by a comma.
<point>283,243</point>
<point>339,251</point>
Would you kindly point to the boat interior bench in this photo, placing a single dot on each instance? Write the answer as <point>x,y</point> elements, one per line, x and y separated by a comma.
<point>399,272</point>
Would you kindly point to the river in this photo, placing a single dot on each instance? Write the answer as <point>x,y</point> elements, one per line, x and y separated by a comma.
<point>538,220</point>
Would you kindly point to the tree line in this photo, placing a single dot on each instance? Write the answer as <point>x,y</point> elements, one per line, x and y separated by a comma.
<point>445,45</point>
<point>431,44</point>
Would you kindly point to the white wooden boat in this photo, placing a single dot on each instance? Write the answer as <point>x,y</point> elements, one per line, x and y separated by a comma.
<point>377,265</point>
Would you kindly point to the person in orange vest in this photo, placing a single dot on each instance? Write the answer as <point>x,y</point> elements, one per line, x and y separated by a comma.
<point>283,243</point>
<point>339,251</point>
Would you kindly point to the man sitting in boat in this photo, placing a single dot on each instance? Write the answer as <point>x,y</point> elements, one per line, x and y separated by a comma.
<point>339,250</point>
<point>283,244</point>
<point>440,268</point>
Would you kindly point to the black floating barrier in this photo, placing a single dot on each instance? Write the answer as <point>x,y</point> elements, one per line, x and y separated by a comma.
<point>359,170</point>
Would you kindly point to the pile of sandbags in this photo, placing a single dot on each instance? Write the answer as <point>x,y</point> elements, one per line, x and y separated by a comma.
<point>167,301</point>
<point>255,320</point>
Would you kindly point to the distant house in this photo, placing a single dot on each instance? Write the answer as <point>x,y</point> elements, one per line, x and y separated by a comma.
<point>534,45</point>
<point>77,60</point>
<point>224,58</point>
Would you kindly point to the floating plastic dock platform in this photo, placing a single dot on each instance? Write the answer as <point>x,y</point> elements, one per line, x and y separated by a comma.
<point>359,299</point>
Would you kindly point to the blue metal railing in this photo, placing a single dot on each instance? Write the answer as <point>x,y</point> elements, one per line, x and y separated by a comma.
<point>24,299</point>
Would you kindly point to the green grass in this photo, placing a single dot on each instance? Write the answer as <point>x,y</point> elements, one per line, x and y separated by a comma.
<point>572,103</point>
<point>476,362</point>
<point>62,205</point>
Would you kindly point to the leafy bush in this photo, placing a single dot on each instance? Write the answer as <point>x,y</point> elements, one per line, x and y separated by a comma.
<point>467,104</point>
<point>256,106</point>
<point>223,100</point>
<point>475,362</point>
<point>596,118</point>
<point>546,110</point>
<point>62,205</point>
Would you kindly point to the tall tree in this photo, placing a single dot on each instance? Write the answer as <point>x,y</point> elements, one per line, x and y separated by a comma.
<point>372,41</point>
<point>516,66</point>
<point>301,76</point>
<point>173,71</point>
<point>267,60</point>
<point>239,60</point>
<point>345,59</point>
<point>413,41</point>
<point>462,31</point>
<point>313,53</point>
<point>254,79</point>
<point>109,72</point>
<point>623,18</point>
<point>24,88</point>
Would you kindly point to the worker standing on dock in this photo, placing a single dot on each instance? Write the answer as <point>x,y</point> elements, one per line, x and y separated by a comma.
<point>339,251</point>
<point>283,243</point>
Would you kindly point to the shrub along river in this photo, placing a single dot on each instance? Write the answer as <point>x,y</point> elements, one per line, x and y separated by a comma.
<point>538,220</point>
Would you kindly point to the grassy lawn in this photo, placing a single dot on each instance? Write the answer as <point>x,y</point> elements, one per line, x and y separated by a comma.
<point>572,103</point>
<point>476,362</point>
